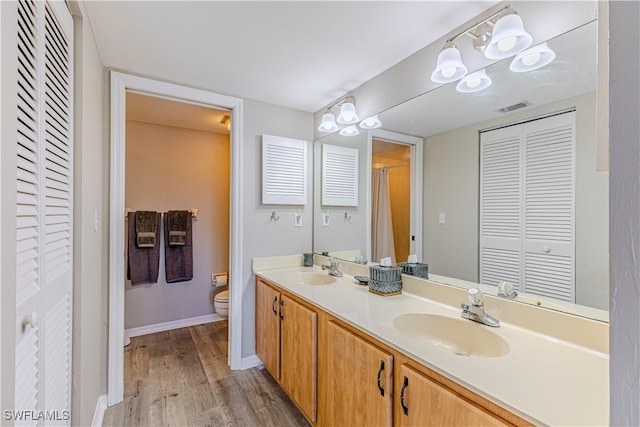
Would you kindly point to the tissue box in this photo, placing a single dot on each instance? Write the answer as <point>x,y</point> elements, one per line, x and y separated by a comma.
<point>385,280</point>
<point>416,269</point>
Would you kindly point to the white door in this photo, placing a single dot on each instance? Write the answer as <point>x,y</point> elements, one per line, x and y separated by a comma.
<point>527,206</point>
<point>44,214</point>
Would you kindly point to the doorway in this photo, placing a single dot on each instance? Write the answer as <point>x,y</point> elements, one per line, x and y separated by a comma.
<point>177,159</point>
<point>399,158</point>
<point>120,84</point>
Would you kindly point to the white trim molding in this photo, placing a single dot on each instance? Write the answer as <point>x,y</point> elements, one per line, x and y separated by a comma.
<point>174,324</point>
<point>120,84</point>
<point>250,362</point>
<point>101,407</point>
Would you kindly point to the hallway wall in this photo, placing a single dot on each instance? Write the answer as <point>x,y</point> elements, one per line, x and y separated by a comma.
<point>170,168</point>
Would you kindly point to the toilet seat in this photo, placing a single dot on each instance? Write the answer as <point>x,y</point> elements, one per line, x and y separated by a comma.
<point>221,303</point>
<point>222,296</point>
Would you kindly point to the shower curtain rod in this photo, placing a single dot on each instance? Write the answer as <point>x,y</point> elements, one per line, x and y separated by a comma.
<point>393,166</point>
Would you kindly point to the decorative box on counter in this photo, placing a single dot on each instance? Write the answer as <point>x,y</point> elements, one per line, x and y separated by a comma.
<point>385,281</point>
<point>415,269</point>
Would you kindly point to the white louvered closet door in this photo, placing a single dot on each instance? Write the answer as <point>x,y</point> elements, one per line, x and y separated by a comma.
<point>549,183</point>
<point>44,213</point>
<point>500,210</point>
<point>527,206</point>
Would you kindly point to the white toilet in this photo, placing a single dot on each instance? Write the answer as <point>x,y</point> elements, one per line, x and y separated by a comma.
<point>221,303</point>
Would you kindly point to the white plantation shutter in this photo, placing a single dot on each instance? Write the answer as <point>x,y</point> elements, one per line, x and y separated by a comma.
<point>44,206</point>
<point>284,170</point>
<point>339,175</point>
<point>527,206</point>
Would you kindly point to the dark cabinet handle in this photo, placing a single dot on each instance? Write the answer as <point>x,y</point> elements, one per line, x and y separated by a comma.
<point>405,384</point>
<point>273,305</point>
<point>380,373</point>
<point>281,305</point>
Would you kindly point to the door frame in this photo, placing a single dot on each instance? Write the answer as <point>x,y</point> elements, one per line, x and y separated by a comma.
<point>120,84</point>
<point>415,208</point>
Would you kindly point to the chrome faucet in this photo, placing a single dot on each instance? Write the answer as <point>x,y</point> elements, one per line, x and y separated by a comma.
<point>475,309</point>
<point>506,290</point>
<point>332,266</point>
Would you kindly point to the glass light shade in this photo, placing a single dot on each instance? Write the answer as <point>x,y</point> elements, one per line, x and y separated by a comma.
<point>328,123</point>
<point>348,114</point>
<point>509,38</point>
<point>532,59</point>
<point>350,131</point>
<point>371,122</point>
<point>449,66</point>
<point>474,82</point>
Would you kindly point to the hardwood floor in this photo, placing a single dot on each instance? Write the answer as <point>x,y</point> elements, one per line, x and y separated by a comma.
<point>181,378</point>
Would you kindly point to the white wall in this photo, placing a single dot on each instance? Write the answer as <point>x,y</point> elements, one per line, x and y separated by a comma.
<point>624,203</point>
<point>451,186</point>
<point>90,239</point>
<point>261,237</point>
<point>169,168</point>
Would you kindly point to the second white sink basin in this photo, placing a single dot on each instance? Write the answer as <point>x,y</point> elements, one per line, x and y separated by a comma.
<point>311,279</point>
<point>457,336</point>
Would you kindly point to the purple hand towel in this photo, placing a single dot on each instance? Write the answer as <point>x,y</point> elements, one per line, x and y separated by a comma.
<point>178,259</point>
<point>142,262</point>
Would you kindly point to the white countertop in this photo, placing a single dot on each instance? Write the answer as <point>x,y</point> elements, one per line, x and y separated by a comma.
<point>542,378</point>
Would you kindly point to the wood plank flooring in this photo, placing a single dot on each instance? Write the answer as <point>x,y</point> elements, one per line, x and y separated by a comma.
<point>181,378</point>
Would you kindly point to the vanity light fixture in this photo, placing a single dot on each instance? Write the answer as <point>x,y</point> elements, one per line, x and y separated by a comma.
<point>371,122</point>
<point>328,122</point>
<point>347,116</point>
<point>498,36</point>
<point>351,130</point>
<point>449,66</point>
<point>474,82</point>
<point>532,59</point>
<point>508,37</point>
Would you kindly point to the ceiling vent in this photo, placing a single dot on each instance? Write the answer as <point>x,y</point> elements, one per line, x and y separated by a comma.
<point>514,107</point>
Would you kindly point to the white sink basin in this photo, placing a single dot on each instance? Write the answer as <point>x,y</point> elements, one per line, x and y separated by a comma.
<point>311,279</point>
<point>456,336</point>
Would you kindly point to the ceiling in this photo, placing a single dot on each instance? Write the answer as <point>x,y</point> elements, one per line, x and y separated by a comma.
<point>297,54</point>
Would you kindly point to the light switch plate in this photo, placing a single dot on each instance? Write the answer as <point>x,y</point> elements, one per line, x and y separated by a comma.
<point>297,219</point>
<point>442,218</point>
<point>325,219</point>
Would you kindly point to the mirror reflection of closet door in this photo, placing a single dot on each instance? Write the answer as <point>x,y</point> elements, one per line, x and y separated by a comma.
<point>527,206</point>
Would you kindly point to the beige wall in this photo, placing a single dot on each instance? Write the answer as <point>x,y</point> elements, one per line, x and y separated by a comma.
<point>169,168</point>
<point>451,183</point>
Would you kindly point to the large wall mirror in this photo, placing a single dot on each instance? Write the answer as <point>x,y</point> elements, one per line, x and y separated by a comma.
<point>450,125</point>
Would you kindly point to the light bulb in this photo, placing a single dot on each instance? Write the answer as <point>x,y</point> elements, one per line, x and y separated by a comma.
<point>507,44</point>
<point>448,72</point>
<point>473,83</point>
<point>531,59</point>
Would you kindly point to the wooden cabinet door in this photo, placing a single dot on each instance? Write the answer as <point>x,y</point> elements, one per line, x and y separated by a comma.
<point>268,327</point>
<point>424,402</point>
<point>298,355</point>
<point>358,381</point>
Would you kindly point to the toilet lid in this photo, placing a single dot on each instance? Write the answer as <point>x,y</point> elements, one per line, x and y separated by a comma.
<point>222,296</point>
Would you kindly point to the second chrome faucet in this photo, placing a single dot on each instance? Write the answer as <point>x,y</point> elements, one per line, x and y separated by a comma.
<point>474,310</point>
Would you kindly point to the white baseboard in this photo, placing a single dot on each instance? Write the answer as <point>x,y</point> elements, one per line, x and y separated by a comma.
<point>175,324</point>
<point>98,415</point>
<point>250,362</point>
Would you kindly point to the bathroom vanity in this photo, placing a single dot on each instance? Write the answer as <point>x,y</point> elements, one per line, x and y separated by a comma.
<point>349,357</point>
